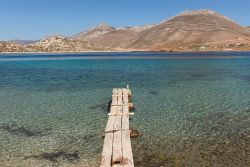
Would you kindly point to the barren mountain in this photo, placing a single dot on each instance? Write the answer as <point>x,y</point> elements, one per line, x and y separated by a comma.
<point>108,36</point>
<point>95,32</point>
<point>200,30</point>
<point>193,30</point>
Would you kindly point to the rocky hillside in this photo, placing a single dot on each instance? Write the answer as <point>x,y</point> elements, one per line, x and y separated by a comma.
<point>195,30</point>
<point>64,44</point>
<point>95,32</point>
<point>23,42</point>
<point>53,44</point>
<point>201,30</point>
<point>10,47</point>
<point>119,38</point>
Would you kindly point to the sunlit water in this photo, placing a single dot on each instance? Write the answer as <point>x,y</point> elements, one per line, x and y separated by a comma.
<point>189,112</point>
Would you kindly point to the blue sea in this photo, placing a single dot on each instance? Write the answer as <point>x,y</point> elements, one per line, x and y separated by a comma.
<point>192,109</point>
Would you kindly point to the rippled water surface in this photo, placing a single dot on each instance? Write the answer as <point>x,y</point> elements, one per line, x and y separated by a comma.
<point>189,112</point>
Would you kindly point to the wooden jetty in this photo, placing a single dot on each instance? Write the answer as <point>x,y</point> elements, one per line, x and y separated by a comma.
<point>117,151</point>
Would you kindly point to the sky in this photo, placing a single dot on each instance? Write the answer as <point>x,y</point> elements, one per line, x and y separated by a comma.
<point>35,19</point>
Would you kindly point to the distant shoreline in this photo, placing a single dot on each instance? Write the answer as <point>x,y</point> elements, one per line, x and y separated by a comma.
<point>118,51</point>
<point>59,52</point>
<point>122,55</point>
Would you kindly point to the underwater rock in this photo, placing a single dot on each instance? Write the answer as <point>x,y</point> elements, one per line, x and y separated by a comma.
<point>242,77</point>
<point>89,137</point>
<point>54,156</point>
<point>20,130</point>
<point>247,109</point>
<point>198,75</point>
<point>134,133</point>
<point>153,92</point>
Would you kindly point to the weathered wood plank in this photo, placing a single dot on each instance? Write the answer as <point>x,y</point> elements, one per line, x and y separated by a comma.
<point>126,143</point>
<point>124,91</point>
<point>127,149</point>
<point>115,91</point>
<point>118,95</point>
<point>107,150</point>
<point>125,118</point>
<point>114,96</point>
<point>108,140</point>
<point>114,100</point>
<point>131,113</point>
<point>125,96</point>
<point>120,102</point>
<point>111,120</point>
<point>117,143</point>
<point>119,90</point>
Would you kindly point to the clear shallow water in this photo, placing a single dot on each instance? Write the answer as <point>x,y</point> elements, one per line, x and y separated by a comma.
<point>189,112</point>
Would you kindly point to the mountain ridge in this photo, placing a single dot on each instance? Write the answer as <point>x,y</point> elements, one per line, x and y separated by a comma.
<point>187,31</point>
<point>184,31</point>
<point>198,30</point>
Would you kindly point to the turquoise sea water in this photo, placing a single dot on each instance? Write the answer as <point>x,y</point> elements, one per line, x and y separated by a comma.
<point>189,112</point>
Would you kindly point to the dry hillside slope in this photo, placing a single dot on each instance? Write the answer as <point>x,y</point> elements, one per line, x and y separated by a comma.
<point>108,36</point>
<point>199,30</point>
<point>195,30</point>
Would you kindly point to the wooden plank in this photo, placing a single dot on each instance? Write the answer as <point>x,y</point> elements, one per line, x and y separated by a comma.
<point>114,100</point>
<point>111,120</point>
<point>118,95</point>
<point>108,140</point>
<point>114,96</point>
<point>117,143</point>
<point>127,149</point>
<point>107,150</point>
<point>119,91</point>
<point>115,91</point>
<point>124,91</point>
<point>120,102</point>
<point>122,114</point>
<point>113,109</point>
<point>125,118</point>
<point>125,96</point>
<point>126,143</point>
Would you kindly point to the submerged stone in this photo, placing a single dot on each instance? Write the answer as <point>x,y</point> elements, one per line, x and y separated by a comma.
<point>55,156</point>
<point>134,133</point>
<point>153,92</point>
<point>20,130</point>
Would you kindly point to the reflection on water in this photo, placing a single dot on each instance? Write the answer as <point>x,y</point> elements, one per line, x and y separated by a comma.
<point>188,112</point>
